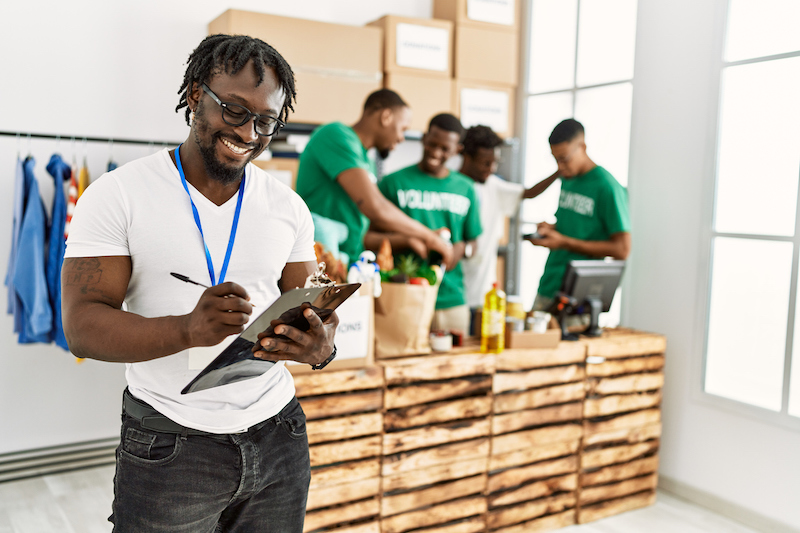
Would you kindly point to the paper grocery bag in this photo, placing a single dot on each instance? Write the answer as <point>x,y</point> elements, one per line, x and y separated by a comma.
<point>403,316</point>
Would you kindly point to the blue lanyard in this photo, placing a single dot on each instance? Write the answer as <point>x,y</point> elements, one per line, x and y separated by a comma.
<point>231,239</point>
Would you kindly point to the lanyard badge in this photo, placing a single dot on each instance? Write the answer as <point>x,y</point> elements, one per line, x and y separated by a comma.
<point>235,224</point>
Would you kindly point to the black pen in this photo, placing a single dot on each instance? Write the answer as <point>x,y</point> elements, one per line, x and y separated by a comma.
<point>187,279</point>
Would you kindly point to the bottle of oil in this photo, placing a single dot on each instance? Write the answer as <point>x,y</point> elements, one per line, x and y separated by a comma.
<point>493,321</point>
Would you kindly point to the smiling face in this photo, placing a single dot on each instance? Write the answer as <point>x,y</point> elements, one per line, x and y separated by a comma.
<point>482,164</point>
<point>438,146</point>
<point>226,149</point>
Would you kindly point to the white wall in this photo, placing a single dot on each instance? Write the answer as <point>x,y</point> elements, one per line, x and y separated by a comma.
<point>102,69</point>
<point>740,459</point>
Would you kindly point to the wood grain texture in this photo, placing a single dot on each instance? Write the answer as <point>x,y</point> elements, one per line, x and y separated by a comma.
<point>434,474</point>
<point>346,492</point>
<point>547,523</point>
<point>475,524</point>
<point>339,515</point>
<point>445,454</point>
<point>616,454</point>
<point>533,454</point>
<point>625,344</point>
<point>524,512</point>
<point>515,477</point>
<point>609,508</point>
<point>345,472</point>
<point>432,413</point>
<point>589,495</point>
<point>348,450</point>
<point>531,379</point>
<point>518,401</point>
<point>633,365</point>
<point>439,514</point>
<point>318,383</point>
<point>624,384</point>
<point>623,436</point>
<point>535,437</point>
<point>567,353</point>
<point>638,418</point>
<point>433,368</point>
<point>508,422</point>
<point>620,472</point>
<point>316,407</point>
<point>609,405</point>
<point>345,427</point>
<point>404,396</point>
<point>535,490</point>
<point>436,434</point>
<point>393,504</point>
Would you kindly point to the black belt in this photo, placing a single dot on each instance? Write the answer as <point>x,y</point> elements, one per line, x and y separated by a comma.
<point>151,419</point>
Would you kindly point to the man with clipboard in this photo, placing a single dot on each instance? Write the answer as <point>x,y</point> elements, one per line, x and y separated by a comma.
<point>232,457</point>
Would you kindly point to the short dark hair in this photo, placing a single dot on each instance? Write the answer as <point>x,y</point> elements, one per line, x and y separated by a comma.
<point>478,137</point>
<point>566,131</point>
<point>447,122</point>
<point>383,99</point>
<point>230,53</point>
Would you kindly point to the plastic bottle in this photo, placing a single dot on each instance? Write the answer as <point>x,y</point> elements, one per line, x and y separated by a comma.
<point>493,321</point>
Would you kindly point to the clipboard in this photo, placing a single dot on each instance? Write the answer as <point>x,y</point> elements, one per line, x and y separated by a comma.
<point>237,361</point>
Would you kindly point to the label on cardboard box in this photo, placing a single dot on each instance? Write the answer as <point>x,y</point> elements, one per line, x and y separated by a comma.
<point>422,47</point>
<point>494,11</point>
<point>484,107</point>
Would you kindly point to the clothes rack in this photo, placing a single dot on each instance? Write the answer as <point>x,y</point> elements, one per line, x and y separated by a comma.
<point>84,138</point>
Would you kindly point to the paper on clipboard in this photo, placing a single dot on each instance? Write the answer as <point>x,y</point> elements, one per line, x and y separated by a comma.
<point>236,362</point>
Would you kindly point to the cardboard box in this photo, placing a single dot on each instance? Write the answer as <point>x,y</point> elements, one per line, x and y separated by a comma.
<point>282,168</point>
<point>486,55</point>
<point>355,335</point>
<point>336,66</point>
<point>485,103</point>
<point>493,14</point>
<point>416,46</point>
<point>529,339</point>
<point>427,95</point>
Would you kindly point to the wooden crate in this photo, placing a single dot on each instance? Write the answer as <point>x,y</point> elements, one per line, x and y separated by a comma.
<point>621,423</point>
<point>345,426</point>
<point>536,434</point>
<point>437,424</point>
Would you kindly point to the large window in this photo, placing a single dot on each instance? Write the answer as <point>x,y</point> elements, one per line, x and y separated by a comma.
<point>753,320</point>
<point>580,65</point>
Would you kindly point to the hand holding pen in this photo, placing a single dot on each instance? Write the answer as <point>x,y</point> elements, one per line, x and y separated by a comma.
<point>222,310</point>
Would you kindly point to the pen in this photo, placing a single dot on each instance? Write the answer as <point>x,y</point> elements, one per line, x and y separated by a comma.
<point>187,279</point>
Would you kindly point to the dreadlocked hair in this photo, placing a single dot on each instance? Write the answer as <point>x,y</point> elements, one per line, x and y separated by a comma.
<point>229,54</point>
<point>478,137</point>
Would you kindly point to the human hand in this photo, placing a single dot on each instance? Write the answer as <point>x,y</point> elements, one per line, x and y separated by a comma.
<point>312,347</point>
<point>222,310</point>
<point>443,247</point>
<point>549,237</point>
<point>418,246</point>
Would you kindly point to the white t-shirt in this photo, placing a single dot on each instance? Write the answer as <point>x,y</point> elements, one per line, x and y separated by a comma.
<point>499,199</point>
<point>141,210</point>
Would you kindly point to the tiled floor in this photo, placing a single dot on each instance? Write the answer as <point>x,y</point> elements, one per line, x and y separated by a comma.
<point>80,502</point>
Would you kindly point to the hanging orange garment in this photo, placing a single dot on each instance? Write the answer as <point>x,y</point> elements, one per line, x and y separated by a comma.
<point>83,178</point>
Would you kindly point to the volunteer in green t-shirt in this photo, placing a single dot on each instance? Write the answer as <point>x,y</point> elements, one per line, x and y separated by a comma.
<point>336,178</point>
<point>439,198</point>
<point>592,219</point>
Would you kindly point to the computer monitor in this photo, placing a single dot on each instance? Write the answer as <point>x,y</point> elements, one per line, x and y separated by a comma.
<point>590,283</point>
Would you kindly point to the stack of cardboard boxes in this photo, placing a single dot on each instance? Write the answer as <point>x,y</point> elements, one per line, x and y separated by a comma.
<point>417,64</point>
<point>485,60</point>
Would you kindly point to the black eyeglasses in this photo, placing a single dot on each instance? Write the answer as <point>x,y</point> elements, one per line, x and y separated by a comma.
<point>236,115</point>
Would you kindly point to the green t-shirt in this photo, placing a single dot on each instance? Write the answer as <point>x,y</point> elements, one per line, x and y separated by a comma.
<point>449,203</point>
<point>592,207</point>
<point>332,149</point>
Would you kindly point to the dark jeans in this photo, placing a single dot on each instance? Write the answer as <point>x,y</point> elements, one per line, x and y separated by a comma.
<point>256,481</point>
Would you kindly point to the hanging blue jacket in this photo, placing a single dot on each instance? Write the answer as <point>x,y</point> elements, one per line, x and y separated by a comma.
<point>30,282</point>
<point>19,203</point>
<point>56,244</point>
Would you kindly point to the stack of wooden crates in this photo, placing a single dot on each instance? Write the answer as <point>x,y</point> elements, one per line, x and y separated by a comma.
<point>465,442</point>
<point>436,443</point>
<point>621,422</point>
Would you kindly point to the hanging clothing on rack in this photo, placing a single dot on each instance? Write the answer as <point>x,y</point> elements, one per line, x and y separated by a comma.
<point>72,199</point>
<point>112,165</point>
<point>30,282</point>
<point>83,178</point>
<point>56,245</point>
<point>19,204</point>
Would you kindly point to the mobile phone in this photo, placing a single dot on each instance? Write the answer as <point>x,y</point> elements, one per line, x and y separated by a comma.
<point>534,235</point>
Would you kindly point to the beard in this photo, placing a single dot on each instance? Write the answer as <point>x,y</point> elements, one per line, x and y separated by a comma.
<point>216,169</point>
